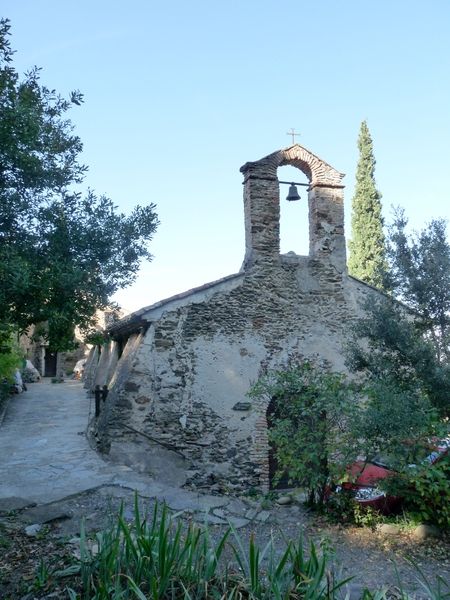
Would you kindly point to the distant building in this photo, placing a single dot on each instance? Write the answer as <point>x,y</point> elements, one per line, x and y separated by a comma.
<point>51,364</point>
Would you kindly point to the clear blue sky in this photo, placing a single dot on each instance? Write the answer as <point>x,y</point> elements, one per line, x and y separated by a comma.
<point>178,95</point>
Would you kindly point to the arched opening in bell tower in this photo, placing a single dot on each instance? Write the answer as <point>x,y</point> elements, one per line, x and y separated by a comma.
<point>294,215</point>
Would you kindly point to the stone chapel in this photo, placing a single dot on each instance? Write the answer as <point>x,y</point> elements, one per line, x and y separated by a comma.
<point>178,371</point>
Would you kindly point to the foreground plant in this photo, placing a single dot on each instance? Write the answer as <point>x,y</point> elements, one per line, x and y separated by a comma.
<point>158,558</point>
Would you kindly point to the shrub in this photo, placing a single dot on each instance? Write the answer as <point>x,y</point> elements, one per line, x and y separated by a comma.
<point>309,426</point>
<point>426,490</point>
<point>394,421</point>
<point>4,393</point>
<point>386,345</point>
<point>162,559</point>
<point>10,359</point>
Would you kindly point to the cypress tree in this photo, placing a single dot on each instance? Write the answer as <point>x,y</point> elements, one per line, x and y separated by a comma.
<point>367,259</point>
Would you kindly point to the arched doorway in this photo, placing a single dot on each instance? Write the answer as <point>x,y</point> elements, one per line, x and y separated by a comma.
<point>282,482</point>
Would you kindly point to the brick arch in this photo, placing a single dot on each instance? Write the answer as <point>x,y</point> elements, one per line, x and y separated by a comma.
<point>261,450</point>
<point>316,170</point>
<point>259,453</point>
<point>262,209</point>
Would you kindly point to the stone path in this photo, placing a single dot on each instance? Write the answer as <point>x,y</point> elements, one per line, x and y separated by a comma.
<point>45,455</point>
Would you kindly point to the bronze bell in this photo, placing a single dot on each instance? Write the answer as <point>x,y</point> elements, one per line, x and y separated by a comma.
<point>293,193</point>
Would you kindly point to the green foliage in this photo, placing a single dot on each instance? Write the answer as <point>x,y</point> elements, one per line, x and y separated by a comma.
<point>394,422</point>
<point>367,259</point>
<point>426,490</point>
<point>321,423</point>
<point>342,508</point>
<point>4,540</point>
<point>420,277</point>
<point>310,425</point>
<point>296,573</point>
<point>5,389</point>
<point>42,575</point>
<point>408,349</point>
<point>434,591</point>
<point>62,255</point>
<point>11,358</point>
<point>365,516</point>
<point>97,338</point>
<point>9,362</point>
<point>158,558</point>
<point>388,348</point>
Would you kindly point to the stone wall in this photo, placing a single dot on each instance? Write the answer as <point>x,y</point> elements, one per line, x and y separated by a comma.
<point>180,382</point>
<point>188,362</point>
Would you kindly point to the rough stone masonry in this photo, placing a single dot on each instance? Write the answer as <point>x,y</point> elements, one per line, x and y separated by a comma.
<point>179,371</point>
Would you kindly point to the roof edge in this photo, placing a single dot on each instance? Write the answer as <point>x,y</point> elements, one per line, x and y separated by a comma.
<point>136,319</point>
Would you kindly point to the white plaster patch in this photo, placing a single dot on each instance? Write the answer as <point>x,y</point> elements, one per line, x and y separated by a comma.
<point>225,371</point>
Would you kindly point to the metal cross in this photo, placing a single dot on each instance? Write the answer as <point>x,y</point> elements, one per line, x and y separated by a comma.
<point>292,132</point>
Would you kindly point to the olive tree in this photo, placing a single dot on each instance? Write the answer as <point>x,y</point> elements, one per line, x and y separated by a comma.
<point>62,253</point>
